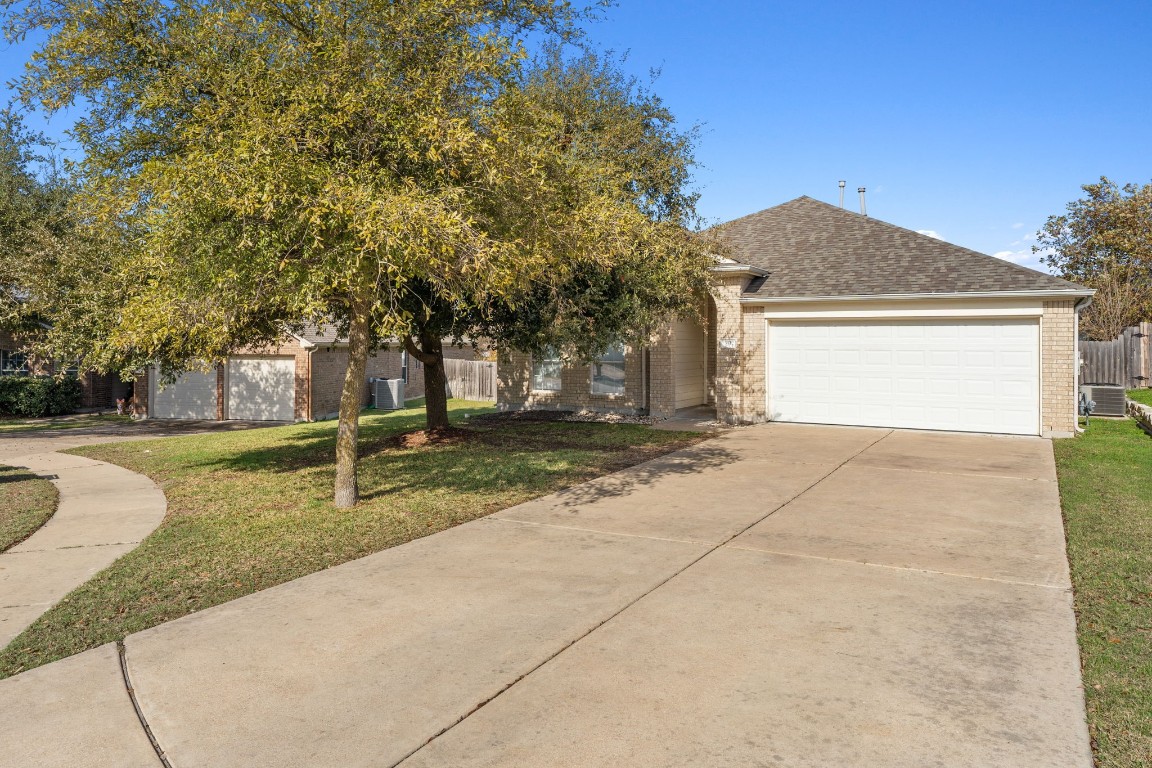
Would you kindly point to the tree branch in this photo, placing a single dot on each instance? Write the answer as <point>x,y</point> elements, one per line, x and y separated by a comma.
<point>416,352</point>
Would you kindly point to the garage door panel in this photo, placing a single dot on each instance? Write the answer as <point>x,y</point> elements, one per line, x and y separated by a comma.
<point>261,388</point>
<point>966,375</point>
<point>191,396</point>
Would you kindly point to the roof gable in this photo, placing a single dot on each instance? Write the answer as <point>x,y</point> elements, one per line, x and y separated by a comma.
<point>810,249</point>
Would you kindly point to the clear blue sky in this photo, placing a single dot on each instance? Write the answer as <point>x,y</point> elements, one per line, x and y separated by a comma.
<point>975,120</point>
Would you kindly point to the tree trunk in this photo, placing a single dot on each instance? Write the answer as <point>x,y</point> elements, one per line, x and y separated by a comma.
<point>347,492</point>
<point>435,382</point>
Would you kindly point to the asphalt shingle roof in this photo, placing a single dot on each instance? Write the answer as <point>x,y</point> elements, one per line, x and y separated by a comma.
<point>810,248</point>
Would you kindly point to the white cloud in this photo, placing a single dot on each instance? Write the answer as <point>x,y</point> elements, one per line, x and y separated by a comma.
<point>931,233</point>
<point>1025,258</point>
<point>1016,257</point>
<point>1018,225</point>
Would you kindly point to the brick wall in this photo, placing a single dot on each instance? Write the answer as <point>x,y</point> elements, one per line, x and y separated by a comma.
<point>1058,373</point>
<point>100,390</point>
<point>140,402</point>
<point>514,386</point>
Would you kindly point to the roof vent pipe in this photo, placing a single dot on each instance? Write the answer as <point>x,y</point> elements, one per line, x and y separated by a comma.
<point>863,205</point>
<point>842,183</point>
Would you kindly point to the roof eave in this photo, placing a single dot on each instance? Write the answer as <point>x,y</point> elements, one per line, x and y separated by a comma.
<point>739,269</point>
<point>1042,294</point>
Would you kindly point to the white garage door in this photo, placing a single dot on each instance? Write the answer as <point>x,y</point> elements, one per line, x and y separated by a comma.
<point>261,388</point>
<point>688,354</point>
<point>963,375</point>
<point>192,396</point>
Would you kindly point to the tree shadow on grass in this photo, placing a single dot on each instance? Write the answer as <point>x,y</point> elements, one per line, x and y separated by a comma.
<point>521,459</point>
<point>16,475</point>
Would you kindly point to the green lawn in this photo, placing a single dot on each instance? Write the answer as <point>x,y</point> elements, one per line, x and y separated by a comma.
<point>1141,396</point>
<point>251,509</point>
<point>78,421</point>
<point>28,502</point>
<point>1106,491</point>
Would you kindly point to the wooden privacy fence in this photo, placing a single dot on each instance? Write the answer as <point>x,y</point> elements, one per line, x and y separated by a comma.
<point>471,379</point>
<point>1125,361</point>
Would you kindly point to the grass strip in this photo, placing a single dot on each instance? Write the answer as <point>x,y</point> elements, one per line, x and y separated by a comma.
<point>1106,492</point>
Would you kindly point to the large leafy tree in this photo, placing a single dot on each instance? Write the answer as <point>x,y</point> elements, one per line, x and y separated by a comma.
<point>251,162</point>
<point>1104,241</point>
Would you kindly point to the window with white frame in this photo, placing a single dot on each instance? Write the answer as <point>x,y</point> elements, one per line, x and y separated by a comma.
<point>608,372</point>
<point>546,372</point>
<point>13,363</point>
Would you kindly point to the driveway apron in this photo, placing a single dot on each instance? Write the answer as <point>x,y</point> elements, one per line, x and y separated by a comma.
<point>780,595</point>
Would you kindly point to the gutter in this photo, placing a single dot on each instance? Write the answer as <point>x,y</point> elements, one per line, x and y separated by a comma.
<point>1086,293</point>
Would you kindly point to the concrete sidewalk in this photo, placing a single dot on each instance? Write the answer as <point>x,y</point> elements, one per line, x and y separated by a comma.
<point>104,512</point>
<point>778,595</point>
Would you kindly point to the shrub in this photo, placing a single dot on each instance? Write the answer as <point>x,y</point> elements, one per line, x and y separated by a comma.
<point>35,396</point>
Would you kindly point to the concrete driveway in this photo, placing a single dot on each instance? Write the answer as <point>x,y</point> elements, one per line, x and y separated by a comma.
<point>780,595</point>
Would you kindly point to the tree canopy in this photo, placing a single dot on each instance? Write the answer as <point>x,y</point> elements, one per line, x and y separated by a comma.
<point>251,163</point>
<point>33,219</point>
<point>1104,241</point>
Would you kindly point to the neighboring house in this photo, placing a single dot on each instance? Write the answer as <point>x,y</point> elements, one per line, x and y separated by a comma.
<point>97,391</point>
<point>299,380</point>
<point>826,316</point>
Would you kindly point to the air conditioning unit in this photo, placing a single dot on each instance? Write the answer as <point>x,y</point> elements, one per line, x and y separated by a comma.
<point>1110,400</point>
<point>388,394</point>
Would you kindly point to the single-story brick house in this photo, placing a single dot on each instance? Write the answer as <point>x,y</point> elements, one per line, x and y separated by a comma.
<point>299,380</point>
<point>826,316</point>
<point>97,391</point>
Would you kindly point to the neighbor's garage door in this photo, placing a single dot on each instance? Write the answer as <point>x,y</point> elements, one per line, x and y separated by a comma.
<point>964,375</point>
<point>192,396</point>
<point>261,388</point>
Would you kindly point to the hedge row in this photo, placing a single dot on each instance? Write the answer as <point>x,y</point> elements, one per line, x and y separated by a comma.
<point>34,396</point>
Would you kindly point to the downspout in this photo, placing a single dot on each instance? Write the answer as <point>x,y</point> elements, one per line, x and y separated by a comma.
<point>644,382</point>
<point>308,415</point>
<point>1082,304</point>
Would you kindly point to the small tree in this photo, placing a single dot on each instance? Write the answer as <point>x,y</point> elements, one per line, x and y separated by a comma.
<point>1105,241</point>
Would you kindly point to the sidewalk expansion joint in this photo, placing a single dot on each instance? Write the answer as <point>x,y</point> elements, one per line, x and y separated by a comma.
<point>711,548</point>
<point>123,653</point>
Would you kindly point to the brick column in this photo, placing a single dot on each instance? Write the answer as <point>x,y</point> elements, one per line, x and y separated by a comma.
<point>1058,395</point>
<point>661,374</point>
<point>754,356</point>
<point>729,347</point>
